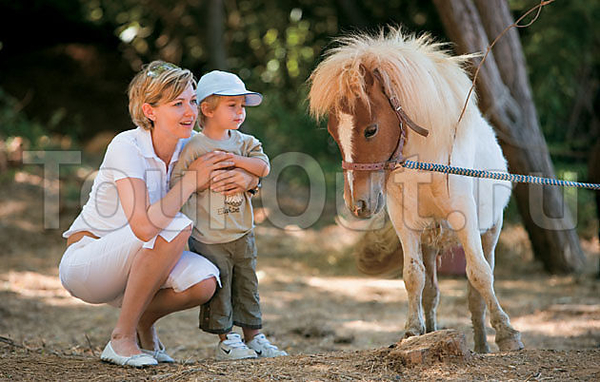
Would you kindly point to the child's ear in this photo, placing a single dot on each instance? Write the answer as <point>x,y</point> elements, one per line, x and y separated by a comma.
<point>206,110</point>
<point>149,111</point>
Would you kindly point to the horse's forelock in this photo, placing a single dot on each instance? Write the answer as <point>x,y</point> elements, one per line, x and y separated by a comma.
<point>339,78</point>
<point>411,65</point>
<point>338,82</point>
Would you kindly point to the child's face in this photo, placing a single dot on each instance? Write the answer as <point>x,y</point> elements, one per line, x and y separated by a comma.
<point>230,113</point>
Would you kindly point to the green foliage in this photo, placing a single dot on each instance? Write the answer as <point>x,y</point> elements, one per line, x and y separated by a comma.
<point>13,123</point>
<point>564,67</point>
<point>561,49</point>
<point>283,129</point>
<point>273,45</point>
<point>581,202</point>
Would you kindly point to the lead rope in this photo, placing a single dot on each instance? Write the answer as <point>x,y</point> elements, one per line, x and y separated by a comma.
<point>517,178</point>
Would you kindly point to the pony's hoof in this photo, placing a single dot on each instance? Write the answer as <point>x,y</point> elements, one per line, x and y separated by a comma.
<point>510,344</point>
<point>413,332</point>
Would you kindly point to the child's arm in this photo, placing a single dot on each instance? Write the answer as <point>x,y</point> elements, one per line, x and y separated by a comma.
<point>192,152</point>
<point>254,166</point>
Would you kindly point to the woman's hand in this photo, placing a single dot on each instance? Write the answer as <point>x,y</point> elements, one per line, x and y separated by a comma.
<point>233,181</point>
<point>205,166</point>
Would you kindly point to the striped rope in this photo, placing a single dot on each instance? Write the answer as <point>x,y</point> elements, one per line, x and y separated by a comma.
<point>495,175</point>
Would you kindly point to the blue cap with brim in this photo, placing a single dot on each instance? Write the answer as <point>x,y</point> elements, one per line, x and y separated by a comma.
<point>225,84</point>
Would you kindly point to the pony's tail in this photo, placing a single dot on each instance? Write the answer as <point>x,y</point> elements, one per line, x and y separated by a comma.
<point>379,252</point>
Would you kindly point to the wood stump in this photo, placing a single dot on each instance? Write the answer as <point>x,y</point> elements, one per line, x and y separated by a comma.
<point>439,346</point>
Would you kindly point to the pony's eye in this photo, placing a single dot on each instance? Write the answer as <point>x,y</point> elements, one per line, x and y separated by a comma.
<point>371,130</point>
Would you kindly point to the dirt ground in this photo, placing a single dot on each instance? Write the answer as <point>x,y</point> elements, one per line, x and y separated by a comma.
<point>336,324</point>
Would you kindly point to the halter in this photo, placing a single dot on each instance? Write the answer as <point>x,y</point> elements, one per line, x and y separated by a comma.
<point>403,119</point>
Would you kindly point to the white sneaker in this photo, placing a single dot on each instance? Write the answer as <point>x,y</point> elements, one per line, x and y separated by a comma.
<point>261,345</point>
<point>233,348</point>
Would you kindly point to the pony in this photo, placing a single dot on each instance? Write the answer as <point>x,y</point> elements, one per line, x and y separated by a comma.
<point>377,92</point>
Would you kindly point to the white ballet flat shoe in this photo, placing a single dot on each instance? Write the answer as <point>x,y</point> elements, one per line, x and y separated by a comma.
<point>138,360</point>
<point>160,355</point>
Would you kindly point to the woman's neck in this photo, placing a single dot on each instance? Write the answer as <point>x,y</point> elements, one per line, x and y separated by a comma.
<point>164,146</point>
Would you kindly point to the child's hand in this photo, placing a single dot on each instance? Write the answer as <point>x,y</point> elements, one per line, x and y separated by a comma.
<point>229,182</point>
<point>236,159</point>
<point>204,166</point>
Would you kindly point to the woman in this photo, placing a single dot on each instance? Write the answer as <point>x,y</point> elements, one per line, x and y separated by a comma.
<point>126,248</point>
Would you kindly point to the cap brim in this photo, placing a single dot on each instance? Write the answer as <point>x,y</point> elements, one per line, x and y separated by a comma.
<point>252,98</point>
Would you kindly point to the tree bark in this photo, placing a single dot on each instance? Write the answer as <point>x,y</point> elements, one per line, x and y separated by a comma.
<point>505,99</point>
<point>215,32</point>
<point>594,177</point>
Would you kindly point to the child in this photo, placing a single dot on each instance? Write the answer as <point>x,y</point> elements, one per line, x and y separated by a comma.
<point>223,225</point>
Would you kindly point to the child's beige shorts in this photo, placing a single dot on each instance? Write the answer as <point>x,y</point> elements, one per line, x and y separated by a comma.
<point>237,301</point>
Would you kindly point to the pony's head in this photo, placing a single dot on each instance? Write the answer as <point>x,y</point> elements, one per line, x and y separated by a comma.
<point>366,130</point>
<point>353,85</point>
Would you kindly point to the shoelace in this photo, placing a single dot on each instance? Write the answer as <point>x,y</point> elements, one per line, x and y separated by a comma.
<point>234,342</point>
<point>262,340</point>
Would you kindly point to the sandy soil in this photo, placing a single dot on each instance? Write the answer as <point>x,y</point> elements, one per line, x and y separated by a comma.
<point>335,323</point>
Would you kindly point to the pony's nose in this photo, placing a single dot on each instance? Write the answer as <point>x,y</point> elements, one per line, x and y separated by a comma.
<point>360,208</point>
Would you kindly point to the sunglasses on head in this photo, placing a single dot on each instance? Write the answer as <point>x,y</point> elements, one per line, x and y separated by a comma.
<point>160,69</point>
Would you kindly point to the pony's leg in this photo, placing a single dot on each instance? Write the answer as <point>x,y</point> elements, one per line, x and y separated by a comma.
<point>431,296</point>
<point>413,272</point>
<point>413,275</point>
<point>477,307</point>
<point>479,273</point>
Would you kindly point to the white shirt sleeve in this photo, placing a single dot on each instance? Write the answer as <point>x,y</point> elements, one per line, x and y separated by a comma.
<point>124,160</point>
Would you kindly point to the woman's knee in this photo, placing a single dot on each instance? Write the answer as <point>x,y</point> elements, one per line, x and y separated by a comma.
<point>176,245</point>
<point>203,291</point>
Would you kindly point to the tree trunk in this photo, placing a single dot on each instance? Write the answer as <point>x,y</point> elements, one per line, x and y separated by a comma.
<point>594,177</point>
<point>215,32</point>
<point>505,99</point>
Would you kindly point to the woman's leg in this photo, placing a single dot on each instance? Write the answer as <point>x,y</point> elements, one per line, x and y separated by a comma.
<point>167,301</point>
<point>149,270</point>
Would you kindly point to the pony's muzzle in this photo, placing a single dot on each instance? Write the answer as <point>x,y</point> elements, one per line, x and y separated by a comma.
<point>365,208</point>
<point>363,193</point>
<point>359,209</point>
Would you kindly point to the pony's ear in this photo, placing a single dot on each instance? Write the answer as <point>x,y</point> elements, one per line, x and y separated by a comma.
<point>366,73</point>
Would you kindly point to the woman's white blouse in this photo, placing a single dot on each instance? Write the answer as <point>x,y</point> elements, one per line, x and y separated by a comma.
<point>129,155</point>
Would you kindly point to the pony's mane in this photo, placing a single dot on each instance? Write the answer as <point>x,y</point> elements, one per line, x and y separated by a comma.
<point>402,58</point>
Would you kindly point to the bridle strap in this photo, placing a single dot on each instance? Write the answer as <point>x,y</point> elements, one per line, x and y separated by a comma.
<point>403,119</point>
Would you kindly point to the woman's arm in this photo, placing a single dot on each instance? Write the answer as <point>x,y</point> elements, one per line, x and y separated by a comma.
<point>148,220</point>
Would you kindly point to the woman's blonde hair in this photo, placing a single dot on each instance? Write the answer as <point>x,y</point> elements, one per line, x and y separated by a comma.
<point>158,82</point>
<point>212,101</point>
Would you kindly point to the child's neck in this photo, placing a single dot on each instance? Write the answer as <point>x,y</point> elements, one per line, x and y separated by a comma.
<point>215,132</point>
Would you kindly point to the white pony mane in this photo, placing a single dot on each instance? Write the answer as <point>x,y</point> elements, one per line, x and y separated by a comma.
<point>430,83</point>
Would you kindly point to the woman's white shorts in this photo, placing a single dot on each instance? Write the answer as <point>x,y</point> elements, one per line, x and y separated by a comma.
<point>96,270</point>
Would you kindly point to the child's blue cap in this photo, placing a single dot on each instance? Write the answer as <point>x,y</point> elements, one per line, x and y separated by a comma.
<point>225,84</point>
